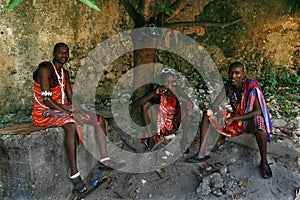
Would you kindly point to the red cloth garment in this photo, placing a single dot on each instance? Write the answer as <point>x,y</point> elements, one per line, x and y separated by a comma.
<point>42,115</point>
<point>234,129</point>
<point>169,117</point>
<point>251,90</point>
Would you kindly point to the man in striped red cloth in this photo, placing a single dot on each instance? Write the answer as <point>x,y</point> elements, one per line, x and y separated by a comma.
<point>249,115</point>
<point>167,117</point>
<point>54,106</point>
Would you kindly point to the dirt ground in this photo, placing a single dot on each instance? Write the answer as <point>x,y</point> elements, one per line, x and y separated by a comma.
<point>241,181</point>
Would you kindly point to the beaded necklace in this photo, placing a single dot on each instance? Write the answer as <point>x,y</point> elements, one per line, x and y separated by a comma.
<point>60,81</point>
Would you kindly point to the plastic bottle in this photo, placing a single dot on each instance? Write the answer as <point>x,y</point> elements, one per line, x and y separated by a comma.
<point>96,177</point>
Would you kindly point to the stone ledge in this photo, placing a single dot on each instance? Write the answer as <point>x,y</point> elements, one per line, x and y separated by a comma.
<point>272,147</point>
<point>35,165</point>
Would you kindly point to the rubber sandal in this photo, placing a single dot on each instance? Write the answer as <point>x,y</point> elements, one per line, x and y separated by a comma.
<point>148,142</point>
<point>266,173</point>
<point>194,159</point>
<point>78,183</point>
<point>112,165</point>
<point>144,140</point>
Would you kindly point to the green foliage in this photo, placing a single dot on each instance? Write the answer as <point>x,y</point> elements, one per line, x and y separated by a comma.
<point>162,7</point>
<point>295,6</point>
<point>282,88</point>
<point>91,4</point>
<point>4,121</point>
<point>13,3</point>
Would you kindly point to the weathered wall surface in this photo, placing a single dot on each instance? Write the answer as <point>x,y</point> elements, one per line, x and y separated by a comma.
<point>32,165</point>
<point>266,35</point>
<point>28,34</point>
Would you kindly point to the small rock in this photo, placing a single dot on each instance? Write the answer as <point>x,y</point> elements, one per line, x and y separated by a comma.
<point>216,180</point>
<point>203,188</point>
<point>223,170</point>
<point>138,190</point>
<point>279,123</point>
<point>232,160</point>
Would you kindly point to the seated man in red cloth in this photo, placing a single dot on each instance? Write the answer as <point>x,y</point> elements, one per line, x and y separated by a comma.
<point>250,115</point>
<point>52,107</point>
<point>169,114</point>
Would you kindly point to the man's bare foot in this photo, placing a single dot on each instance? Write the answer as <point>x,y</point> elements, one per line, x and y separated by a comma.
<point>266,171</point>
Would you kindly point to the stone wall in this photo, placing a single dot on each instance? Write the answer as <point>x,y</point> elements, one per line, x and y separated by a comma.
<point>34,166</point>
<point>28,34</point>
<point>266,37</point>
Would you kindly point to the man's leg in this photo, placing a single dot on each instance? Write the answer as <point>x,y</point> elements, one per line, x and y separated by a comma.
<point>101,138</point>
<point>201,154</point>
<point>203,136</point>
<point>106,164</point>
<point>149,118</point>
<point>262,145</point>
<point>70,144</point>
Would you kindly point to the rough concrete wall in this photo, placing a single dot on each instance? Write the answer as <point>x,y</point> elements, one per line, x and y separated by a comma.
<point>35,166</point>
<point>28,34</point>
<point>267,36</point>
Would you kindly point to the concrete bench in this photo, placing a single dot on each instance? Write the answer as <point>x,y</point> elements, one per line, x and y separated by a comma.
<point>34,164</point>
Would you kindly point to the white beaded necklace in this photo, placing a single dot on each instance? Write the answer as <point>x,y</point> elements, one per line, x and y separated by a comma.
<point>60,81</point>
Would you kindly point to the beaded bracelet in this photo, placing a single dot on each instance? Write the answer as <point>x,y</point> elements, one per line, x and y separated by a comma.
<point>46,95</point>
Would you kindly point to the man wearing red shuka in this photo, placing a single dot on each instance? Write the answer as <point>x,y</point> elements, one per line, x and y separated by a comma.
<point>250,115</point>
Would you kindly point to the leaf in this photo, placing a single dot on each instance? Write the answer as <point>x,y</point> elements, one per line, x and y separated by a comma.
<point>91,4</point>
<point>12,4</point>
<point>168,11</point>
<point>34,1</point>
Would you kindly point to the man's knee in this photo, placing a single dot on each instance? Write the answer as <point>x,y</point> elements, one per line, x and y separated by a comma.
<point>146,107</point>
<point>102,124</point>
<point>69,127</point>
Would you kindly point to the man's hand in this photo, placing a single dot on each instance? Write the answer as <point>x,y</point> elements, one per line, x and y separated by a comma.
<point>229,120</point>
<point>81,117</point>
<point>161,90</point>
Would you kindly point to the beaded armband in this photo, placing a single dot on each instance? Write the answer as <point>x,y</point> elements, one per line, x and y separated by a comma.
<point>46,95</point>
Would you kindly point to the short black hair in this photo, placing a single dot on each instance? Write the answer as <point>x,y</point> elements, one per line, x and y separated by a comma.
<point>58,45</point>
<point>235,64</point>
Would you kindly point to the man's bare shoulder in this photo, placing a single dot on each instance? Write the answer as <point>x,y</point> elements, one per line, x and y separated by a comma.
<point>45,65</point>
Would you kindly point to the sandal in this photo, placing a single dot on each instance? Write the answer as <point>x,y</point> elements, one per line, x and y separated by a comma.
<point>78,183</point>
<point>148,142</point>
<point>112,165</point>
<point>266,173</point>
<point>194,159</point>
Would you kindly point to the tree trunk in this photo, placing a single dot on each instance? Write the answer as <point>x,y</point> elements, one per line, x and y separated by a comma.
<point>141,57</point>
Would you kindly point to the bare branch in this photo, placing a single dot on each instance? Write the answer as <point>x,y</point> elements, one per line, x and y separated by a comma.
<point>139,19</point>
<point>147,9</point>
<point>199,23</point>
